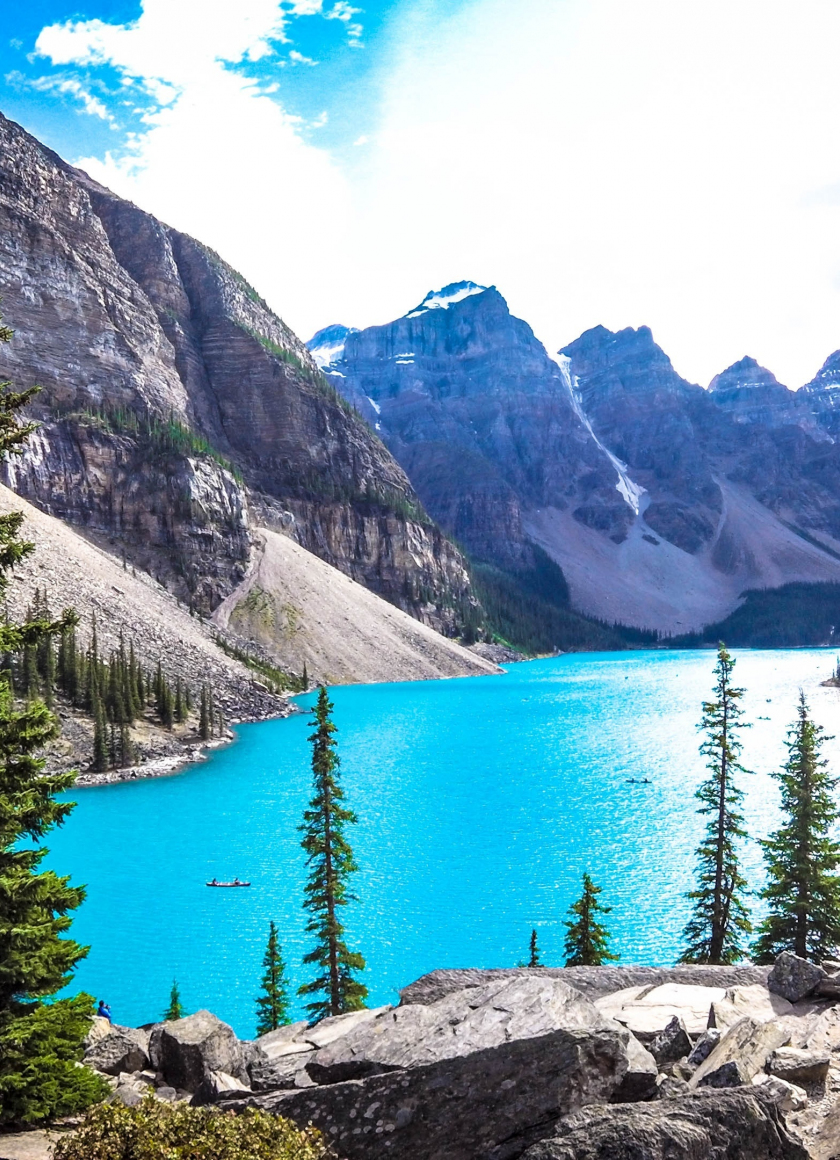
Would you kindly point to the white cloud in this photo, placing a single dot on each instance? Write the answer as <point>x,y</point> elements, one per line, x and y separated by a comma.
<point>659,163</point>
<point>298,58</point>
<point>66,86</point>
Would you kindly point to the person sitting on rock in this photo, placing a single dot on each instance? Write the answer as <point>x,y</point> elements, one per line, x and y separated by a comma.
<point>104,1011</point>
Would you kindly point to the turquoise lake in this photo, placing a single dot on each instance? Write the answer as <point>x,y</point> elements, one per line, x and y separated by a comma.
<point>480,802</point>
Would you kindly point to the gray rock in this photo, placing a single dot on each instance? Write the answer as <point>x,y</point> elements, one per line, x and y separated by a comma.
<point>670,1087</point>
<point>794,978</point>
<point>187,1050</point>
<point>647,1011</point>
<point>756,1001</point>
<point>217,1085</point>
<point>671,1044</point>
<point>787,1096</point>
<point>479,1073</point>
<point>799,1066</point>
<point>123,1049</point>
<point>166,1093</point>
<point>283,1070</point>
<point>742,1053</point>
<point>700,1126</point>
<point>99,1028</point>
<point>639,1081</point>
<point>704,1046</point>
<point>126,1094</point>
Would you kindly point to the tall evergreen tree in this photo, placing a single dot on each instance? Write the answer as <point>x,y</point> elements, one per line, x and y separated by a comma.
<point>175,1010</point>
<point>587,943</point>
<point>40,1044</point>
<point>204,716</point>
<point>534,951</point>
<point>331,862</point>
<point>720,921</point>
<point>273,1001</point>
<point>802,856</point>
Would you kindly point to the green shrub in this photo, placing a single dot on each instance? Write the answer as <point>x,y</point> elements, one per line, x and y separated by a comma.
<point>40,1076</point>
<point>154,1130</point>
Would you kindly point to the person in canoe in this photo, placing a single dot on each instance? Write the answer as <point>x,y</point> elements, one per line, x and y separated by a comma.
<point>214,883</point>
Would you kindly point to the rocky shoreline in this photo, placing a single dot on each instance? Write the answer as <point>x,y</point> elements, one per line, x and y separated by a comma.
<point>587,1063</point>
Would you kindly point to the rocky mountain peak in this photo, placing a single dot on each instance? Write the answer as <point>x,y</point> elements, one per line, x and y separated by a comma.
<point>448,296</point>
<point>631,354</point>
<point>327,346</point>
<point>744,373</point>
<point>828,376</point>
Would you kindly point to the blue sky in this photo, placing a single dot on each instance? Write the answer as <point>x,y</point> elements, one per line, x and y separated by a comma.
<point>623,162</point>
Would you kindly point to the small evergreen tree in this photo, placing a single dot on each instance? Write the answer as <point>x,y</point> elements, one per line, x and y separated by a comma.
<point>304,680</point>
<point>720,920</point>
<point>175,1010</point>
<point>534,951</point>
<point>587,943</point>
<point>204,716</point>
<point>101,746</point>
<point>802,856</point>
<point>331,862</point>
<point>40,1044</point>
<point>273,1001</point>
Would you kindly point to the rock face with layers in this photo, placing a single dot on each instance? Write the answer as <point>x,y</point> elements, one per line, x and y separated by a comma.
<point>175,402</point>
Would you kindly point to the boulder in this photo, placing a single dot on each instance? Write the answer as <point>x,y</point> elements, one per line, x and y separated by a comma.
<point>742,1125</point>
<point>794,978</point>
<point>99,1028</point>
<point>704,1046</point>
<point>787,1096</point>
<point>647,1011</point>
<point>337,1026</point>
<point>123,1049</point>
<point>126,1094</point>
<point>639,1081</point>
<point>185,1051</point>
<point>217,1085</point>
<point>671,1044</point>
<point>798,1065</point>
<point>480,1072</point>
<point>742,1053</point>
<point>283,1069</point>
<point>755,1001</point>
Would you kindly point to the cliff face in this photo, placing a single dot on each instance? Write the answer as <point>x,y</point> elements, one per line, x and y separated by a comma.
<point>176,405</point>
<point>479,416</point>
<point>660,500</point>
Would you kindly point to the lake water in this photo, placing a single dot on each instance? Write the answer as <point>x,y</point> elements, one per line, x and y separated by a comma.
<point>480,803</point>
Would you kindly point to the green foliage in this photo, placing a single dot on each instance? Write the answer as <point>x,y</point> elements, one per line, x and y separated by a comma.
<point>175,1010</point>
<point>275,678</point>
<point>587,941</point>
<point>792,616</point>
<point>331,862</point>
<point>534,951</point>
<point>205,721</point>
<point>37,957</point>
<point>154,1130</point>
<point>802,856</point>
<point>40,1076</point>
<point>720,920</point>
<point>273,1001</point>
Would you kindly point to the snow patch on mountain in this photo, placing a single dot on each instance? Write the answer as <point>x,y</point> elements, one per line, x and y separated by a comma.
<point>448,296</point>
<point>629,491</point>
<point>327,346</point>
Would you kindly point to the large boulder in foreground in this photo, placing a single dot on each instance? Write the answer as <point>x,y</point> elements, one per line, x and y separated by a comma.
<point>121,1049</point>
<point>738,1125</point>
<point>479,1073</point>
<point>186,1051</point>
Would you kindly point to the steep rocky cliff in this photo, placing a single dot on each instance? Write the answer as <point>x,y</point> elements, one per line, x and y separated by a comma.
<point>661,501</point>
<point>178,410</point>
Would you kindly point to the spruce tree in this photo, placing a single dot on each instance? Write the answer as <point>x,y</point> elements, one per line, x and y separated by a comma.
<point>175,1010</point>
<point>534,951</point>
<point>587,943</point>
<point>802,856</point>
<point>204,716</point>
<point>720,922</point>
<point>40,1044</point>
<point>331,862</point>
<point>273,1001</point>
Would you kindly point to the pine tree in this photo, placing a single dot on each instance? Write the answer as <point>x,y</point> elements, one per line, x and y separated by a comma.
<point>587,943</point>
<point>101,754</point>
<point>273,1002</point>
<point>40,1044</point>
<point>720,920</point>
<point>534,951</point>
<point>175,1010</point>
<point>331,862</point>
<point>211,709</point>
<point>304,680</point>
<point>802,856</point>
<point>204,716</point>
<point>179,701</point>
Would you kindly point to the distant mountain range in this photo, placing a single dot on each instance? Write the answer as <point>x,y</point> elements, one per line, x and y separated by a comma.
<point>660,500</point>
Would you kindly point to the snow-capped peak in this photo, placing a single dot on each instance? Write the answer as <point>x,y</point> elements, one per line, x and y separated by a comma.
<point>327,346</point>
<point>448,296</point>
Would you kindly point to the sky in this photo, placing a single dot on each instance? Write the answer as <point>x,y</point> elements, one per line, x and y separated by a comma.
<point>669,163</point>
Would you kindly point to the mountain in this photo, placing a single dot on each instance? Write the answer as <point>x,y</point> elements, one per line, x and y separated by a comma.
<point>179,413</point>
<point>661,501</point>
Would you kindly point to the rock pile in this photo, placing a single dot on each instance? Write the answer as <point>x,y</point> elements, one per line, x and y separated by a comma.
<point>683,1064</point>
